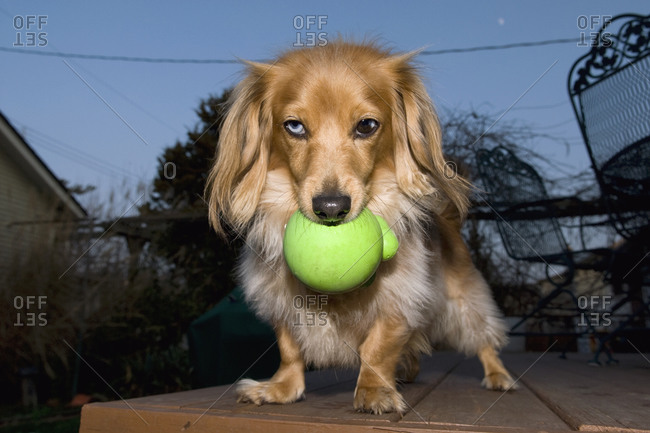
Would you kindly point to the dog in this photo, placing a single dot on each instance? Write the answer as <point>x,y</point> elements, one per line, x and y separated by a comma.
<point>331,130</point>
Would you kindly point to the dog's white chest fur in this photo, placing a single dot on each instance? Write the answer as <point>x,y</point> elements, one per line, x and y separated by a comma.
<point>330,328</point>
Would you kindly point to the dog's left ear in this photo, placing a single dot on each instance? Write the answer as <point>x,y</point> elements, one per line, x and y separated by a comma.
<point>420,166</point>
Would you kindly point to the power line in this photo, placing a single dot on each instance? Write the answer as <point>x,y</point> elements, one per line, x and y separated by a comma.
<point>499,47</point>
<point>64,150</point>
<point>115,58</point>
<point>126,98</point>
<point>43,145</point>
<point>235,61</point>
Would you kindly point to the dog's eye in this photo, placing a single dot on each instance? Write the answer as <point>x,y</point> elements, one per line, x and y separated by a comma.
<point>366,127</point>
<point>295,128</point>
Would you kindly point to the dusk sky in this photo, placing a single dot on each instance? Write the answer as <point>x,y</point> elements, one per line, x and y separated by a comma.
<point>105,122</point>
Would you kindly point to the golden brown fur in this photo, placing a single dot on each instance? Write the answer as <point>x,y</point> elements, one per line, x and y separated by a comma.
<point>350,121</point>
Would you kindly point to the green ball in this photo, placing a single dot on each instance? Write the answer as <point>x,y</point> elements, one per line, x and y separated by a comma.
<point>339,258</point>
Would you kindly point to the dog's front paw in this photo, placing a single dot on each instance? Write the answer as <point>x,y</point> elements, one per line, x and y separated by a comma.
<point>499,382</point>
<point>378,400</point>
<point>252,391</point>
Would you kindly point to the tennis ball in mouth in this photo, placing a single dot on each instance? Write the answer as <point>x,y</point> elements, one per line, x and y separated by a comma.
<point>337,258</point>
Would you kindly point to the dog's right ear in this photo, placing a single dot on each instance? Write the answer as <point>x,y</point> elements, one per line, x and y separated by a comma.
<point>420,166</point>
<point>236,179</point>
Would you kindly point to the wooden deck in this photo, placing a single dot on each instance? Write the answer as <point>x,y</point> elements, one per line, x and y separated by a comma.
<point>555,395</point>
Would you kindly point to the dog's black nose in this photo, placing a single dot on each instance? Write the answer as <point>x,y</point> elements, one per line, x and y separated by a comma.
<point>331,207</point>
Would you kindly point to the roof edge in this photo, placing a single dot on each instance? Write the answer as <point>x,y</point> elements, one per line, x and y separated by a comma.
<point>20,147</point>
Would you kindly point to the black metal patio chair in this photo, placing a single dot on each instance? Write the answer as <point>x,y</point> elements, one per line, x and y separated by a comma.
<point>609,89</point>
<point>528,227</point>
<point>610,92</point>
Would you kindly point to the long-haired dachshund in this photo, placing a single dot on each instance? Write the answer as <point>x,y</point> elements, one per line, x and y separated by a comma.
<point>332,130</point>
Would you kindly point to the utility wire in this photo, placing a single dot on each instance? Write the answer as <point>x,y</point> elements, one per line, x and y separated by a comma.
<point>64,150</point>
<point>235,61</point>
<point>81,160</point>
<point>114,58</point>
<point>126,98</point>
<point>499,47</point>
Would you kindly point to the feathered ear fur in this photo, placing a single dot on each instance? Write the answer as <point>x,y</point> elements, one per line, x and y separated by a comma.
<point>237,177</point>
<point>420,166</point>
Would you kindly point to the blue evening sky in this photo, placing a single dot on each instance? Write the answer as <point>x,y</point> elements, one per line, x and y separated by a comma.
<point>111,136</point>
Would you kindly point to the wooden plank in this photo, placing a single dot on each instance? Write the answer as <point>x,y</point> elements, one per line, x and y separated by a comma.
<point>590,398</point>
<point>446,396</point>
<point>314,381</point>
<point>177,399</point>
<point>460,400</point>
<point>328,400</point>
<point>332,399</point>
<point>97,418</point>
